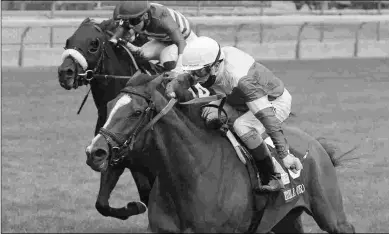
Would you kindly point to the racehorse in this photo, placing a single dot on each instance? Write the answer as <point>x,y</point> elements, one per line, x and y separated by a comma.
<point>87,55</point>
<point>201,184</point>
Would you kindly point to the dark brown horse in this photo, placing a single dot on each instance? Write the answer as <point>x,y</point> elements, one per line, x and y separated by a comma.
<point>201,184</point>
<point>89,49</point>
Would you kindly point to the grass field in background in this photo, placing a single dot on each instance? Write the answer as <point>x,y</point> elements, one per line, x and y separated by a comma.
<point>47,187</point>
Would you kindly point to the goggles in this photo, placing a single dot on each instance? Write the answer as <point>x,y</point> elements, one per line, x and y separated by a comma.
<point>202,72</point>
<point>129,23</point>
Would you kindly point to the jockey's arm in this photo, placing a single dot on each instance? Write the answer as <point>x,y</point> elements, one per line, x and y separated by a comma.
<point>175,35</point>
<point>259,104</point>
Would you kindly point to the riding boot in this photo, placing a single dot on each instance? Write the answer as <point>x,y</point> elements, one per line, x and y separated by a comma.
<point>271,181</point>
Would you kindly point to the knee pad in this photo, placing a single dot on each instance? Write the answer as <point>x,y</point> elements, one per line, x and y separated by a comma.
<point>251,139</point>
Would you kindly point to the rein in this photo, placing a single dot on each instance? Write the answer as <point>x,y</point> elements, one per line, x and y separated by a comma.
<point>120,144</point>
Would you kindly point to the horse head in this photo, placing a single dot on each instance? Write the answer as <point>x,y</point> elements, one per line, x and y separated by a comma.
<point>128,113</point>
<point>84,51</point>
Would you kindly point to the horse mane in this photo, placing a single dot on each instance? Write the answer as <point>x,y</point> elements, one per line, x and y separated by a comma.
<point>153,86</point>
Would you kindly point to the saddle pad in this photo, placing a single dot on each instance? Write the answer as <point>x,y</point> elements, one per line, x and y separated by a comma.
<point>293,182</point>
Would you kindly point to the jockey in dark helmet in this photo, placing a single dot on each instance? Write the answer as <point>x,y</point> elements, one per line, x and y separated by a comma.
<point>168,30</point>
<point>257,100</point>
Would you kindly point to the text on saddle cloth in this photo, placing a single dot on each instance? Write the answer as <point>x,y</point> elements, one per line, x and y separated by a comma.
<point>293,182</point>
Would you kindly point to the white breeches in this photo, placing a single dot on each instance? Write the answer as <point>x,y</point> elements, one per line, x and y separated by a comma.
<point>246,125</point>
<point>157,50</point>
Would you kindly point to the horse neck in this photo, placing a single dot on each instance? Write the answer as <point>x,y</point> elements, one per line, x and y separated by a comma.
<point>188,151</point>
<point>198,168</point>
<point>115,63</point>
<point>104,91</point>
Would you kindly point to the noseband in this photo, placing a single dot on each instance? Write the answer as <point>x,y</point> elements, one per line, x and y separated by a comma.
<point>88,75</point>
<point>119,144</point>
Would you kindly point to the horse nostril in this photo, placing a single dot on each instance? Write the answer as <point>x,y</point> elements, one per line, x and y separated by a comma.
<point>100,153</point>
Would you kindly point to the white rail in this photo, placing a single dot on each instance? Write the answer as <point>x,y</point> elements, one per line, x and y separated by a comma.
<point>238,21</point>
<point>218,20</point>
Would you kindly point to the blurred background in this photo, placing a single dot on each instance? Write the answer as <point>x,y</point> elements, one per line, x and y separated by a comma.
<point>40,28</point>
<point>199,6</point>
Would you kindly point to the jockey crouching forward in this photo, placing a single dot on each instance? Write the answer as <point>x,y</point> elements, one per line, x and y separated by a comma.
<point>168,30</point>
<point>266,102</point>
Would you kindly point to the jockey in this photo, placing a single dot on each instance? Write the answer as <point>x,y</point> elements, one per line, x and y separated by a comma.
<point>168,30</point>
<point>257,101</point>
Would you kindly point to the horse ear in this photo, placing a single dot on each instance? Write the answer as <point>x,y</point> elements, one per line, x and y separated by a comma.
<point>87,20</point>
<point>152,85</point>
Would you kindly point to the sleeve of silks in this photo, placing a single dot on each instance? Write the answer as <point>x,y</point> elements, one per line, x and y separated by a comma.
<point>173,30</point>
<point>273,128</point>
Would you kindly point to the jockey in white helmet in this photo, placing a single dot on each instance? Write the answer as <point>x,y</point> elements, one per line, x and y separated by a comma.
<point>257,101</point>
<point>168,30</point>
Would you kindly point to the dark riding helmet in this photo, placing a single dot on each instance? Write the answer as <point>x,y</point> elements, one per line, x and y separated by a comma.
<point>130,9</point>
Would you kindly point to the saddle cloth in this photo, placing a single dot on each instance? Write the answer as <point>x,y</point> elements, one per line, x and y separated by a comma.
<point>294,186</point>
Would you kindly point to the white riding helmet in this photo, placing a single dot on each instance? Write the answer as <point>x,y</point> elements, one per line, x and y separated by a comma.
<point>199,53</point>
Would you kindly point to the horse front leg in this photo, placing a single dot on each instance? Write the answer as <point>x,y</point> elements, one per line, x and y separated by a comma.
<point>144,175</point>
<point>108,181</point>
<point>326,203</point>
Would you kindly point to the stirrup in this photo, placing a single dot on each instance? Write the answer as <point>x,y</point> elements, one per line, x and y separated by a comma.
<point>278,186</point>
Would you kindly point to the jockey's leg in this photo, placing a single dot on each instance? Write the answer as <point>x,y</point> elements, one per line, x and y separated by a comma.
<point>249,129</point>
<point>282,105</point>
<point>169,55</point>
<point>151,50</point>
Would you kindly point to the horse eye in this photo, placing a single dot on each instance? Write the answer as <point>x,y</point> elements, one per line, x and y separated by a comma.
<point>94,46</point>
<point>95,43</point>
<point>136,113</point>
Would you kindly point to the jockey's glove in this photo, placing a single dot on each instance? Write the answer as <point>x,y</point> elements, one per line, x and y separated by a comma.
<point>293,163</point>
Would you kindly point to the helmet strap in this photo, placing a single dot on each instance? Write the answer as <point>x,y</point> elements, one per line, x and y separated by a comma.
<point>212,78</point>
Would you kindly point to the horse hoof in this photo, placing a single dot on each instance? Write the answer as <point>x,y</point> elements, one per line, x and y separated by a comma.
<point>103,210</point>
<point>140,206</point>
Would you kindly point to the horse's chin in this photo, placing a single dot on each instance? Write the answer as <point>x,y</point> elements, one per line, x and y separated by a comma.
<point>68,84</point>
<point>98,165</point>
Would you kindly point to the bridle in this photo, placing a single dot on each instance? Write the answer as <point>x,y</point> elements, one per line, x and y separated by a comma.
<point>121,145</point>
<point>88,75</point>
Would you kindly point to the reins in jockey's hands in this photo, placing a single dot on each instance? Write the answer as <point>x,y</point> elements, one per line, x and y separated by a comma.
<point>292,163</point>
